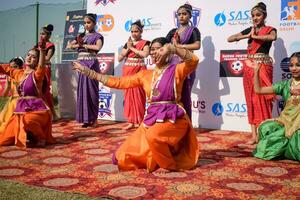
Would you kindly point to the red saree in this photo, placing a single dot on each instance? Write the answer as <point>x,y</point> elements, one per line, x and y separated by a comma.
<point>47,96</point>
<point>134,98</point>
<point>259,107</point>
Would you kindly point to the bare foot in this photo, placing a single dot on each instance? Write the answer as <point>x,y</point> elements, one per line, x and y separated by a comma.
<point>85,125</point>
<point>129,126</point>
<point>250,144</point>
<point>136,125</point>
<point>93,124</point>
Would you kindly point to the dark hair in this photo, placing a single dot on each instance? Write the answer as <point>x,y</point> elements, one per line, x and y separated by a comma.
<point>261,7</point>
<point>161,40</point>
<point>91,16</point>
<point>187,7</point>
<point>18,60</point>
<point>139,24</point>
<point>296,55</point>
<point>48,29</point>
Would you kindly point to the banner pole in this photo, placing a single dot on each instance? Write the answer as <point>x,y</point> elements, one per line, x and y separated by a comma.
<point>37,23</point>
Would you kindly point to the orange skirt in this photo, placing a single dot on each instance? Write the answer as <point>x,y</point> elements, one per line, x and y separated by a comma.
<point>38,123</point>
<point>7,112</point>
<point>166,145</point>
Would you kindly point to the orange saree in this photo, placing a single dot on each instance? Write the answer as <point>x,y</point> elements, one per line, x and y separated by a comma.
<point>31,115</point>
<point>167,144</point>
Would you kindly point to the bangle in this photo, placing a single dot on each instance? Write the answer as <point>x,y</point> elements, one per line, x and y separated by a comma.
<point>103,78</point>
<point>172,49</point>
<point>267,37</point>
<point>188,55</point>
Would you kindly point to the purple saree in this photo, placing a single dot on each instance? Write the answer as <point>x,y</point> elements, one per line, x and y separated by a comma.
<point>88,89</point>
<point>189,81</point>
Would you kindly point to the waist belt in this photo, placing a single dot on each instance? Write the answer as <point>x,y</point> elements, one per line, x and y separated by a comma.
<point>87,56</point>
<point>135,62</point>
<point>261,58</point>
<point>163,102</point>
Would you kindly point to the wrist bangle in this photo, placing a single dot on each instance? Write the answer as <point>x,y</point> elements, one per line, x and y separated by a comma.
<point>188,55</point>
<point>172,49</point>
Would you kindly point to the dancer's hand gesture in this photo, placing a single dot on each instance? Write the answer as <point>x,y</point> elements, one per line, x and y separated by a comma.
<point>129,43</point>
<point>77,66</point>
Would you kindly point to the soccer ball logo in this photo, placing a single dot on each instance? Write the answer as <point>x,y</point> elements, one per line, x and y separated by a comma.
<point>109,22</point>
<point>236,67</point>
<point>103,67</point>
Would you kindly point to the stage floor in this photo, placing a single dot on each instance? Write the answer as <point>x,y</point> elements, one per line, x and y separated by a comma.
<point>81,162</point>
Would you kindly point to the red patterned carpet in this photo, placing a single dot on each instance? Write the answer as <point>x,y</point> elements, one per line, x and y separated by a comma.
<point>81,162</point>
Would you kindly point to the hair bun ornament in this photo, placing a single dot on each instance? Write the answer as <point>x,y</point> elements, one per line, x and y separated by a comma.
<point>261,5</point>
<point>21,58</point>
<point>188,6</point>
<point>49,27</point>
<point>142,24</point>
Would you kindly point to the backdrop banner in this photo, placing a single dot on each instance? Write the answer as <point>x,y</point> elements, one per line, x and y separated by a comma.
<point>218,100</point>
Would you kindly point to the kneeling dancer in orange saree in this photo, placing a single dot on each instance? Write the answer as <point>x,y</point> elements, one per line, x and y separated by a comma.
<point>166,138</point>
<point>31,121</point>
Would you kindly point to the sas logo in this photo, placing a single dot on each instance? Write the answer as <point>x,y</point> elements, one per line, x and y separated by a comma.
<point>289,15</point>
<point>235,17</point>
<point>220,19</point>
<point>104,2</point>
<point>284,66</point>
<point>230,109</point>
<point>148,23</point>
<point>105,23</point>
<point>104,102</point>
<point>217,109</point>
<point>196,14</point>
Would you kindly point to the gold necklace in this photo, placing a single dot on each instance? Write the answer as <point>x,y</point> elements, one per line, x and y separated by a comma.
<point>156,79</point>
<point>159,70</point>
<point>295,82</point>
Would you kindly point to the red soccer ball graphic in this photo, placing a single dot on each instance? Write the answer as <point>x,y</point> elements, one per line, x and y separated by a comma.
<point>236,67</point>
<point>104,67</point>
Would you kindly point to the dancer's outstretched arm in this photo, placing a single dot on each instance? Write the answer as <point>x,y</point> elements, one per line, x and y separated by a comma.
<point>115,82</point>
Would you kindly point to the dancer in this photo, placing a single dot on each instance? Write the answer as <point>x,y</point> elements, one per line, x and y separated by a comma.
<point>260,38</point>
<point>280,137</point>
<point>31,122</point>
<point>11,92</point>
<point>186,36</point>
<point>134,52</point>
<point>166,138</point>
<point>88,45</point>
<point>46,33</point>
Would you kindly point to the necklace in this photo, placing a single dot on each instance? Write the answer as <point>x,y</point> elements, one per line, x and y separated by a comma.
<point>295,92</point>
<point>158,72</point>
<point>295,82</point>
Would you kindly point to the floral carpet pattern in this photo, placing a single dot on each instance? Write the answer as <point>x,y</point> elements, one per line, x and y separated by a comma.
<point>81,162</point>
